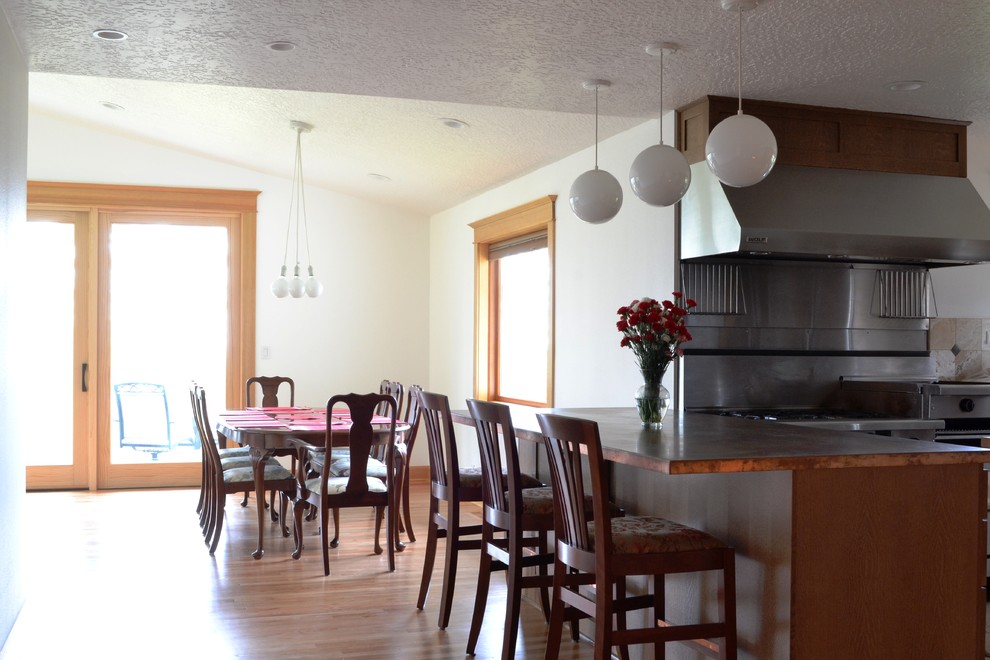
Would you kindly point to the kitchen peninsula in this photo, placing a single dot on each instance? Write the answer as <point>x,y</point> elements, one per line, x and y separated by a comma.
<point>848,545</point>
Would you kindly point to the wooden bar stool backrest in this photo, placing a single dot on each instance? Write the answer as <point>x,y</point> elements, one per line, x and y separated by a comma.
<point>491,421</point>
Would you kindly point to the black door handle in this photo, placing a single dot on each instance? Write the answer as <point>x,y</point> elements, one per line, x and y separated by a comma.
<point>85,377</point>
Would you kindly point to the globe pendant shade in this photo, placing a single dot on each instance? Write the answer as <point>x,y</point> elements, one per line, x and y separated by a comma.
<point>280,287</point>
<point>596,196</point>
<point>660,175</point>
<point>741,151</point>
<point>313,287</point>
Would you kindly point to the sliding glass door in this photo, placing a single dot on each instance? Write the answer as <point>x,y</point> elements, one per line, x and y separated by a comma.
<point>137,292</point>
<point>54,372</point>
<point>167,312</point>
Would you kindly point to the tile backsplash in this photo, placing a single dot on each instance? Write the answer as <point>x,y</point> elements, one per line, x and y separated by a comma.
<point>959,349</point>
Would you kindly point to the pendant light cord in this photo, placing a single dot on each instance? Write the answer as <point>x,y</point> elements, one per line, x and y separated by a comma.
<point>302,207</point>
<point>739,75</point>
<point>297,206</point>
<point>596,127</point>
<point>661,95</point>
<point>292,200</point>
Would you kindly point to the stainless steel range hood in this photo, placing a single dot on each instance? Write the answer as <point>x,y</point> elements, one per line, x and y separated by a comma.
<point>834,214</point>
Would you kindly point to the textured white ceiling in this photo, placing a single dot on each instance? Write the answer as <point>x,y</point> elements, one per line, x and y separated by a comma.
<point>375,75</point>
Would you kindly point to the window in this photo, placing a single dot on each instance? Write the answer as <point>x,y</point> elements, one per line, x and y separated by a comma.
<point>514,305</point>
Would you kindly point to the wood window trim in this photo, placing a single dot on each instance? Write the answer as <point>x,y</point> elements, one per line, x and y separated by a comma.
<point>538,215</point>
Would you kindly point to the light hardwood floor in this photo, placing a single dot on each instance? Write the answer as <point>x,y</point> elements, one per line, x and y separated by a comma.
<point>125,574</point>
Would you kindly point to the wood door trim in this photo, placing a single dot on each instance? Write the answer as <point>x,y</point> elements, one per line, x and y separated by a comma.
<point>118,197</point>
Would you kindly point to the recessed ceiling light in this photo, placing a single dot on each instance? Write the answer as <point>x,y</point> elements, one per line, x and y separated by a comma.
<point>109,35</point>
<point>906,85</point>
<point>450,122</point>
<point>281,46</point>
<point>110,105</point>
<point>379,177</point>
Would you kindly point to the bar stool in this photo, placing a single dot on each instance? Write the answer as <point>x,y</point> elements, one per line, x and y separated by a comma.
<point>450,485</point>
<point>510,511</point>
<point>604,552</point>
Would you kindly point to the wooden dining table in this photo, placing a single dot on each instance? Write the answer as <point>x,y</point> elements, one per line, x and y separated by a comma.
<point>268,432</point>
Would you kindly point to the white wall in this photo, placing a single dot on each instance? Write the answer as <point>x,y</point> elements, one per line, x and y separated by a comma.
<point>369,324</point>
<point>963,292</point>
<point>598,269</point>
<point>13,168</point>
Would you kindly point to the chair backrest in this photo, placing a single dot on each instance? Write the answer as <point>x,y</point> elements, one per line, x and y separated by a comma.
<point>211,453</point>
<point>394,388</point>
<point>147,423</point>
<point>564,438</point>
<point>361,437</point>
<point>269,390</point>
<point>411,415</point>
<point>434,413</point>
<point>491,420</point>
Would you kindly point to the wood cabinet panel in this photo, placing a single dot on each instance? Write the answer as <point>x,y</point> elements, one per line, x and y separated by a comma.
<point>888,563</point>
<point>836,137</point>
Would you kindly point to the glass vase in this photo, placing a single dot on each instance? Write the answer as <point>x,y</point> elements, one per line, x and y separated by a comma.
<point>652,399</point>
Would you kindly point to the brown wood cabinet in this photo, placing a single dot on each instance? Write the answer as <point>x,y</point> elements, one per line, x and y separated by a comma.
<point>836,137</point>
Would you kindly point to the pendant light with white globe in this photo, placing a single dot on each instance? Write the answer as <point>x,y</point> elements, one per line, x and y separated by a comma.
<point>741,150</point>
<point>297,287</point>
<point>660,174</point>
<point>596,195</point>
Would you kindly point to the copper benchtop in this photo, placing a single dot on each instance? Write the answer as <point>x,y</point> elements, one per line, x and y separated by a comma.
<point>695,443</point>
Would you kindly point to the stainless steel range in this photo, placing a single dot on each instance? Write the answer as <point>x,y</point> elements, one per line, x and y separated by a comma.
<point>964,407</point>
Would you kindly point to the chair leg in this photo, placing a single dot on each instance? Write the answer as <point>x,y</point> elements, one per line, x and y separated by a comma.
<point>556,614</point>
<point>283,502</point>
<point>727,651</point>
<point>618,596</point>
<point>450,563</point>
<point>659,612</point>
<point>218,520</point>
<point>481,593</point>
<point>324,534</point>
<point>391,534</point>
<point>206,492</point>
<point>335,541</point>
<point>406,512</point>
<point>604,612</point>
<point>245,500</point>
<point>431,553</point>
<point>271,498</point>
<point>379,515</point>
<point>513,596</point>
<point>297,528</point>
<point>543,569</point>
<point>216,492</point>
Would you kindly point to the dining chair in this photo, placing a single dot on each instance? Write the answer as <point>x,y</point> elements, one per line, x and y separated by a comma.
<point>270,386</point>
<point>229,457</point>
<point>510,514</point>
<point>224,480</point>
<point>407,441</point>
<point>606,551</point>
<point>358,489</point>
<point>340,465</point>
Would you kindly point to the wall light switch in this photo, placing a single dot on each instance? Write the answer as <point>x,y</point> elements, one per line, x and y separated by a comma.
<point>266,353</point>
